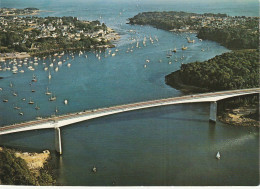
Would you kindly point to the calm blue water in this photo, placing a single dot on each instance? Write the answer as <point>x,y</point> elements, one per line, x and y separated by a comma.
<point>160,146</point>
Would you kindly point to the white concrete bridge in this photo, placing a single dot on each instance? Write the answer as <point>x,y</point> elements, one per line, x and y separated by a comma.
<point>68,119</point>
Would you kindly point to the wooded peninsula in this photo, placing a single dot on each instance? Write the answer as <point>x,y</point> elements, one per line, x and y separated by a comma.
<point>237,32</point>
<point>233,70</point>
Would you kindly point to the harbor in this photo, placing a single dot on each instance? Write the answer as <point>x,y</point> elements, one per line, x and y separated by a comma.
<point>169,145</point>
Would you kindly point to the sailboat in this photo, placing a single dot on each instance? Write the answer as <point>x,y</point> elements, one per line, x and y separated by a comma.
<point>34,78</point>
<point>17,108</point>
<point>37,107</point>
<point>30,102</point>
<point>94,169</point>
<point>49,76</point>
<point>48,92</point>
<point>56,110</point>
<point>218,155</point>
<point>184,48</point>
<point>174,50</point>
<point>52,98</point>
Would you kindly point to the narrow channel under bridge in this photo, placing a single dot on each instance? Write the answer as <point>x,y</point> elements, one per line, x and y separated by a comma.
<point>68,119</point>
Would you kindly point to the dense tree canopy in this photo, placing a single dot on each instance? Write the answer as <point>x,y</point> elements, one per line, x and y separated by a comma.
<point>14,171</point>
<point>237,32</point>
<point>234,70</point>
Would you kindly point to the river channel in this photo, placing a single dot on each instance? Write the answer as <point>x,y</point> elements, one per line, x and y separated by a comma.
<point>173,145</point>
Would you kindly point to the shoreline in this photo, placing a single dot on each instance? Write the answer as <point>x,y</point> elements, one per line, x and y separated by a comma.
<point>177,83</point>
<point>240,116</point>
<point>22,55</point>
<point>236,116</point>
<point>39,164</point>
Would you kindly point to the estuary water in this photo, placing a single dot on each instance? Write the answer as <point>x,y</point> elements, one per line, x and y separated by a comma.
<point>172,145</point>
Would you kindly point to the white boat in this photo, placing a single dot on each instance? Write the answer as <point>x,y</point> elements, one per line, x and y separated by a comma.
<point>56,69</point>
<point>69,65</point>
<point>65,102</point>
<point>47,92</point>
<point>17,108</point>
<point>184,48</point>
<point>60,63</point>
<point>94,169</point>
<point>21,113</point>
<point>30,102</point>
<point>49,76</point>
<point>218,155</point>
<point>52,98</point>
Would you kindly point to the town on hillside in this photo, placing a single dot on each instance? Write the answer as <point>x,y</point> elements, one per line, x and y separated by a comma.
<point>32,34</point>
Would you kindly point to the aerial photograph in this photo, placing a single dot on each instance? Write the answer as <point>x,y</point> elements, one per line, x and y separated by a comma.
<point>129,93</point>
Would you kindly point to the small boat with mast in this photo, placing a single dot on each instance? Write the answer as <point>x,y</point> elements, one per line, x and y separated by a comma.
<point>37,107</point>
<point>47,92</point>
<point>52,98</point>
<point>218,155</point>
<point>184,48</point>
<point>34,79</point>
<point>30,102</point>
<point>49,76</point>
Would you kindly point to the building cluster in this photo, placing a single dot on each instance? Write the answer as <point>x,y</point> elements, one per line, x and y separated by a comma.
<point>35,30</point>
<point>18,12</point>
<point>195,22</point>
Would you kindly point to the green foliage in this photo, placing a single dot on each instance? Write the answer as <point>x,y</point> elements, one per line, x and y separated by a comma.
<point>14,171</point>
<point>234,70</point>
<point>233,38</point>
<point>36,34</point>
<point>231,32</point>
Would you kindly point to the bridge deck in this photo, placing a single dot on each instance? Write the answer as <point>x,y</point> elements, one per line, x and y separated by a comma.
<point>71,118</point>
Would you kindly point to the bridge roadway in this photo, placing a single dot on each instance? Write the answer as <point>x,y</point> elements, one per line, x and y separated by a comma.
<point>68,119</point>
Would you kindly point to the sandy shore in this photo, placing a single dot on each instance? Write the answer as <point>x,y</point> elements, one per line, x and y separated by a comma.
<point>240,116</point>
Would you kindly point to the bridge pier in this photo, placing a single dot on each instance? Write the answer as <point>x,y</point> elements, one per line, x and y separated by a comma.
<point>213,112</point>
<point>58,146</point>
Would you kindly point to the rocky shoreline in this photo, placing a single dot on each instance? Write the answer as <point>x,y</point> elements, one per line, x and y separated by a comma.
<point>242,116</point>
